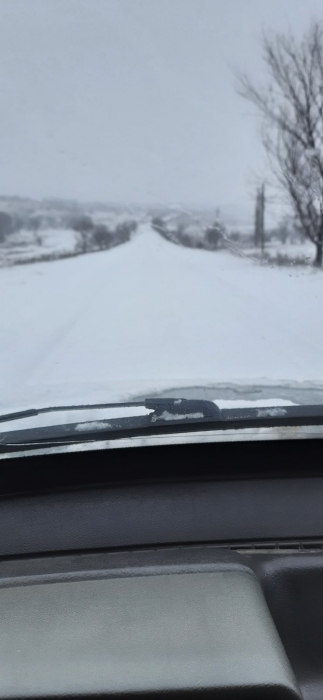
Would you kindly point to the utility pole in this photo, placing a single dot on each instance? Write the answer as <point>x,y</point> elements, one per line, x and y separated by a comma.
<point>256,229</point>
<point>260,218</point>
<point>262,203</point>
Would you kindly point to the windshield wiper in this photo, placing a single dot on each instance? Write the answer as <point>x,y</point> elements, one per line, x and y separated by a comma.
<point>29,412</point>
<point>166,416</point>
<point>167,412</point>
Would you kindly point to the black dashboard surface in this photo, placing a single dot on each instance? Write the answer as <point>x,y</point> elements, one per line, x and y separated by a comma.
<point>139,513</point>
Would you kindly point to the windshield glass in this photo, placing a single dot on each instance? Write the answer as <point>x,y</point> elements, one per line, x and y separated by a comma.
<point>161,204</point>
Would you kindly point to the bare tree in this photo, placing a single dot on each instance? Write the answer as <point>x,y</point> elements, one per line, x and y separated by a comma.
<point>102,237</point>
<point>35,223</point>
<point>291,105</point>
<point>6,225</point>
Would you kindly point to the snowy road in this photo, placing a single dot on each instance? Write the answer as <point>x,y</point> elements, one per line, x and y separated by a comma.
<point>151,315</point>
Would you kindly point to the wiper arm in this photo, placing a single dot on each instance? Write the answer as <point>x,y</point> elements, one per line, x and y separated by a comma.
<point>183,409</point>
<point>167,416</point>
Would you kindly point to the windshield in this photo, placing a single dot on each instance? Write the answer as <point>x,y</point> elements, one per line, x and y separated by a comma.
<point>161,205</point>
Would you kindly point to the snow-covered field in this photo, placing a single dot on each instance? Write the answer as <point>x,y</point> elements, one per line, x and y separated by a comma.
<point>149,315</point>
<point>301,253</point>
<point>24,246</point>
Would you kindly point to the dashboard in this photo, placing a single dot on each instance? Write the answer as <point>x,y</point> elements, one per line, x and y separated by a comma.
<point>187,569</point>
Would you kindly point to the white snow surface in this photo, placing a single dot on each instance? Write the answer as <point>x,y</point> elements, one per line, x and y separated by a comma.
<point>243,403</point>
<point>93,425</point>
<point>150,315</point>
<point>273,412</point>
<point>166,415</point>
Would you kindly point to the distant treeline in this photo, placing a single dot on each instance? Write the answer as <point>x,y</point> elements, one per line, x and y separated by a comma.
<point>209,238</point>
<point>215,236</point>
<point>98,236</point>
<point>91,235</point>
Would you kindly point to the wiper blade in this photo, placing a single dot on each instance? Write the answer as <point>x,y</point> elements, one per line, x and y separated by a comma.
<point>161,411</point>
<point>167,416</point>
<point>29,412</point>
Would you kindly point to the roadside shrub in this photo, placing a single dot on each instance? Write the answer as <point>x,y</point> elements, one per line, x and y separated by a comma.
<point>158,224</point>
<point>214,235</point>
<point>102,237</point>
<point>282,260</point>
<point>85,228</point>
<point>124,231</point>
<point>6,225</point>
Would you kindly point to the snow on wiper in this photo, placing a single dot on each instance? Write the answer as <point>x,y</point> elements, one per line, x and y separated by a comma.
<point>162,416</point>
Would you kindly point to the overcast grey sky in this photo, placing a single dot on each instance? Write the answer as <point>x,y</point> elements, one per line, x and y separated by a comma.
<point>133,100</point>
